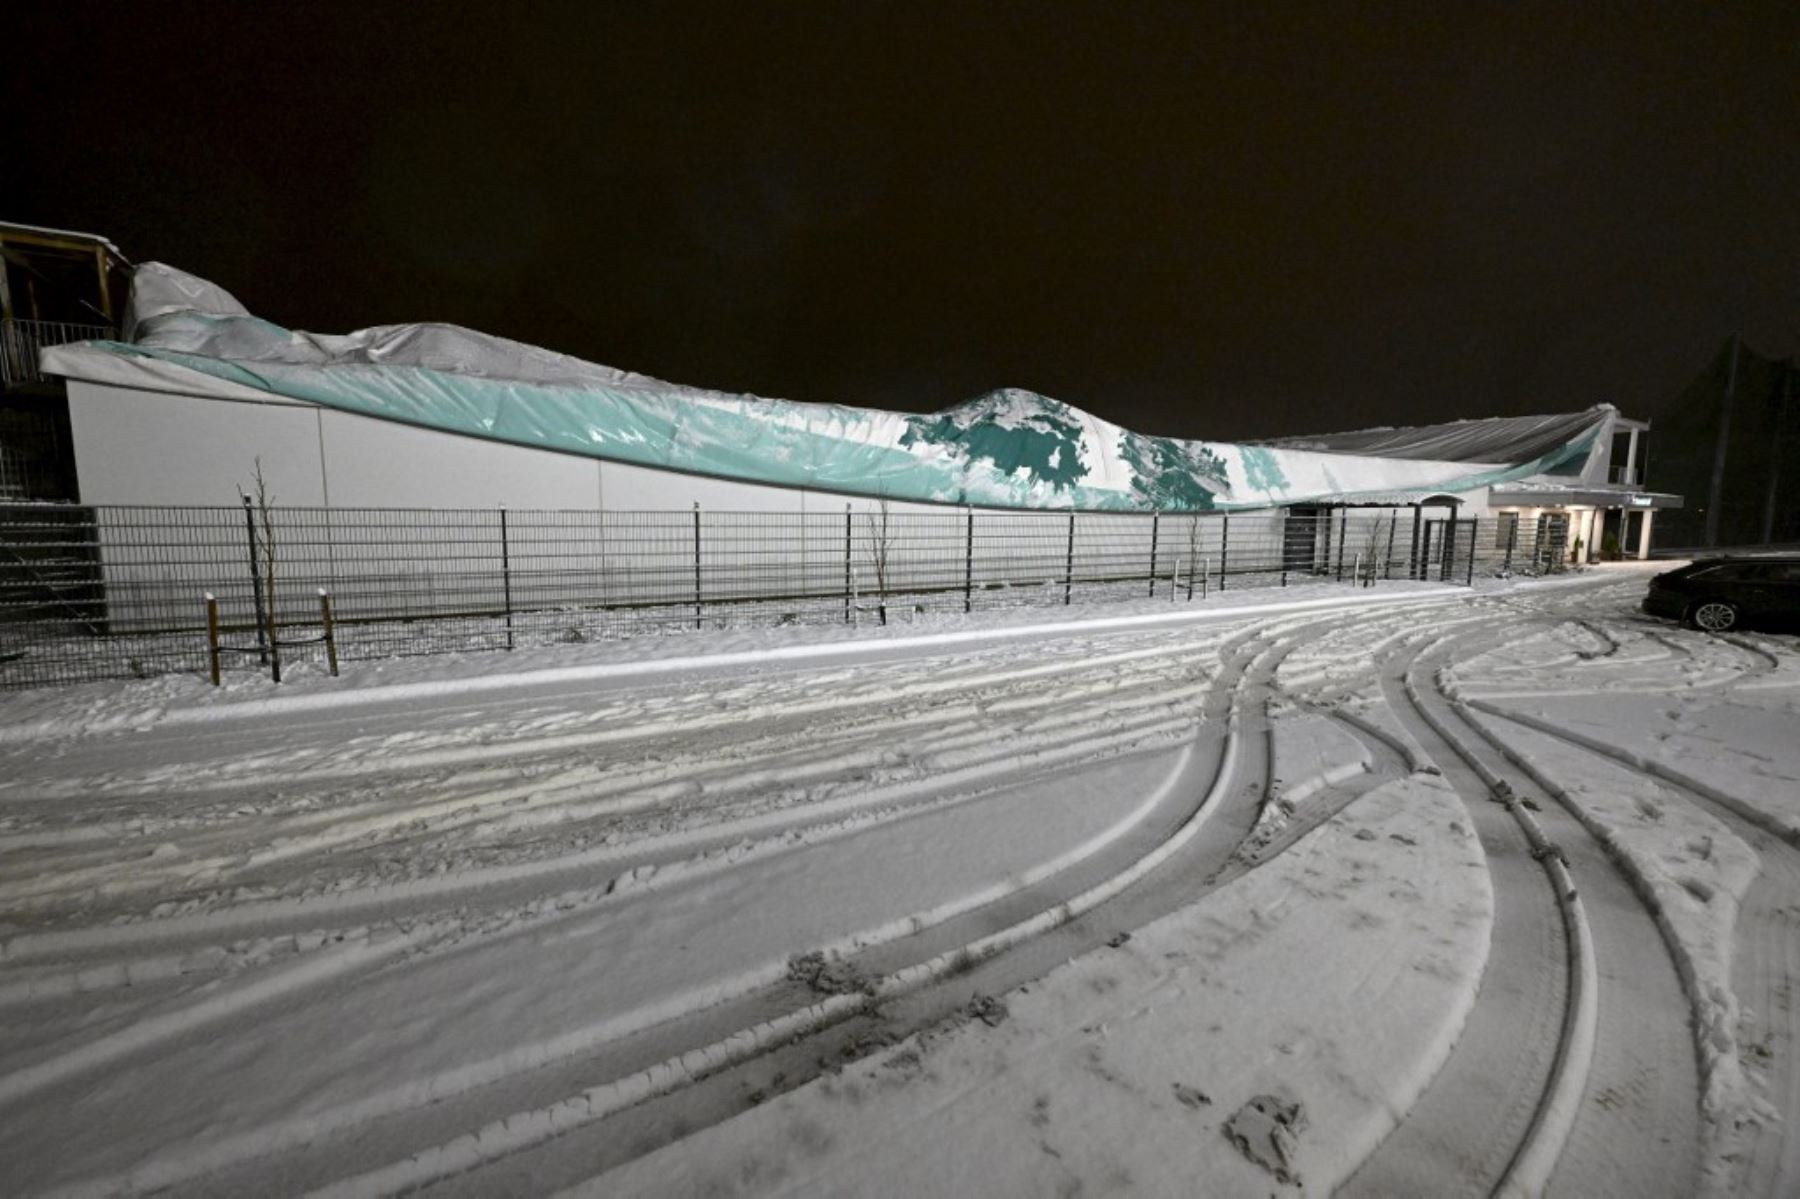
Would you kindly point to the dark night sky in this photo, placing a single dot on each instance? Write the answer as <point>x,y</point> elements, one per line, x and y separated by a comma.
<point>1189,219</point>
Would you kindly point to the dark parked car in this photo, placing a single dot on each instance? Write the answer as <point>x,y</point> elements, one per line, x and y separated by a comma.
<point>1717,594</point>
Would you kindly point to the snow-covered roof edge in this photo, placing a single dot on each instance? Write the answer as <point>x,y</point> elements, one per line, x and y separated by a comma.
<point>1487,439</point>
<point>1009,448</point>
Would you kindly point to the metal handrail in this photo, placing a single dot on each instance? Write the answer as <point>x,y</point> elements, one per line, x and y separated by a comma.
<point>20,341</point>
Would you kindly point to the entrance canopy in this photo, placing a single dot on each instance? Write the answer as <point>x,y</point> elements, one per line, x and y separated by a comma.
<point>1550,495</point>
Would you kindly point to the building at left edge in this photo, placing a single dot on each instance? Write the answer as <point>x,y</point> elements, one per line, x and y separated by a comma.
<point>56,287</point>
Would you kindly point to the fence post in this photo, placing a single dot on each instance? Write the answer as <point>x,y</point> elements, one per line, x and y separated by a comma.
<point>969,566</point>
<point>1193,552</point>
<point>1414,568</point>
<point>330,631</point>
<point>505,576</point>
<point>1387,565</point>
<point>1155,520</point>
<point>1224,542</point>
<point>848,619</point>
<point>697,599</point>
<point>1330,540</point>
<point>212,635</point>
<point>1069,566</point>
<point>1343,538</point>
<point>262,648</point>
<point>1474,536</point>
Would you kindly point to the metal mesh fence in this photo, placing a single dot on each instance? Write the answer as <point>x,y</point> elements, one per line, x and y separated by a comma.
<point>119,592</point>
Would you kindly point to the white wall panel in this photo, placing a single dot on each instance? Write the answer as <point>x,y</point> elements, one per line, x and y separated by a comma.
<point>139,447</point>
<point>381,464</point>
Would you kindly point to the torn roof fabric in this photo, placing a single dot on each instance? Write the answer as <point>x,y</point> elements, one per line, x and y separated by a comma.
<point>1005,449</point>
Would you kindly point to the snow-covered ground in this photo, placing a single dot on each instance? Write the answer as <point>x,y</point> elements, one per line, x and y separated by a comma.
<point>1405,890</point>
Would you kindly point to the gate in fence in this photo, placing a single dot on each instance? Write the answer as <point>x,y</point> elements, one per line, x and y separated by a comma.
<point>92,592</point>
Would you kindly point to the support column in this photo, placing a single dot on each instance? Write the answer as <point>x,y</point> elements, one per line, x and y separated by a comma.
<point>1643,550</point>
<point>106,307</point>
<point>1449,569</point>
<point>1630,479</point>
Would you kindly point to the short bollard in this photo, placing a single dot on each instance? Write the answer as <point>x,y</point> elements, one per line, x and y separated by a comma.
<point>212,635</point>
<point>330,632</point>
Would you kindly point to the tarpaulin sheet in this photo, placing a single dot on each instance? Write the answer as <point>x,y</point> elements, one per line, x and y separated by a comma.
<point>1495,439</point>
<point>1007,449</point>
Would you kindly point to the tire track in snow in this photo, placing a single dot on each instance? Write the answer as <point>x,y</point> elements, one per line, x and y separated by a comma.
<point>1763,1153</point>
<point>420,927</point>
<point>691,714</point>
<point>1589,673</point>
<point>180,939</point>
<point>181,1166</point>
<point>1289,636</point>
<point>1632,1125</point>
<point>901,973</point>
<point>141,1178</point>
<point>1119,695</point>
<point>547,1121</point>
<point>1626,1133</point>
<point>890,977</point>
<point>1337,789</point>
<point>1171,886</point>
<point>1481,1123</point>
<point>326,830</point>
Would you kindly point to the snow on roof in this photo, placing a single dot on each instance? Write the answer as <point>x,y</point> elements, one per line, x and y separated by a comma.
<point>1007,449</point>
<point>73,234</point>
<point>1491,439</point>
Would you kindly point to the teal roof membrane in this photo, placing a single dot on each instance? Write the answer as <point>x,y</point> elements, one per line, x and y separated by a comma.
<point>1005,449</point>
